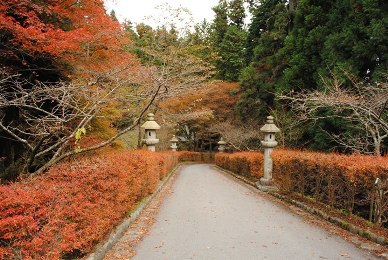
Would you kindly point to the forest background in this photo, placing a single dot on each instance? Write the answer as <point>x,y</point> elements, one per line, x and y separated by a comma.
<point>73,79</point>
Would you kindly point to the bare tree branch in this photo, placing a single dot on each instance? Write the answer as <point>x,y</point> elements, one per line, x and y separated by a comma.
<point>240,137</point>
<point>362,105</point>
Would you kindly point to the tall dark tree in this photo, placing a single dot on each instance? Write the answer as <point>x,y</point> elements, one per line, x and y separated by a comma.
<point>220,23</point>
<point>232,53</point>
<point>260,23</point>
<point>229,38</point>
<point>237,13</point>
<point>304,44</point>
<point>259,78</point>
<point>335,38</point>
<point>357,41</point>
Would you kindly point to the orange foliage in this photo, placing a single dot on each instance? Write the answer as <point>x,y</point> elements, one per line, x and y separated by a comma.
<point>65,212</point>
<point>248,164</point>
<point>187,156</point>
<point>77,32</point>
<point>214,96</point>
<point>342,181</point>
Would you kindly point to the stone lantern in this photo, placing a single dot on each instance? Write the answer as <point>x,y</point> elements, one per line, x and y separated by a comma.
<point>150,127</point>
<point>174,142</point>
<point>221,145</point>
<point>269,130</point>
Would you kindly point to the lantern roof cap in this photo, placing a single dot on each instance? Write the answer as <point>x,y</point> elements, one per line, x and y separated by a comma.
<point>150,124</point>
<point>221,142</point>
<point>270,127</point>
<point>174,139</point>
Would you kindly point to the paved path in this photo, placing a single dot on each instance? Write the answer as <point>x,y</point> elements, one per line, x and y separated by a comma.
<point>211,216</point>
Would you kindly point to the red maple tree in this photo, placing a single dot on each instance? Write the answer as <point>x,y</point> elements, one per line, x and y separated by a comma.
<point>79,33</point>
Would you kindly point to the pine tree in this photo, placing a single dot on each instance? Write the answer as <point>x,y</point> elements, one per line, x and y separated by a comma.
<point>357,42</point>
<point>229,38</point>
<point>259,24</point>
<point>232,53</point>
<point>259,78</point>
<point>304,43</point>
<point>237,13</point>
<point>220,23</point>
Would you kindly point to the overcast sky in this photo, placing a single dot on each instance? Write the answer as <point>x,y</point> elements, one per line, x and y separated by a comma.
<point>137,11</point>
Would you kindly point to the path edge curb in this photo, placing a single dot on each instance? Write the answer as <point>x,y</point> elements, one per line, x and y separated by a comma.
<point>336,221</point>
<point>103,247</point>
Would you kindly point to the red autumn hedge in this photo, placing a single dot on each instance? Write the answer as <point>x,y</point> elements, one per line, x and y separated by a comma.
<point>65,212</point>
<point>248,164</point>
<point>342,181</point>
<point>186,156</point>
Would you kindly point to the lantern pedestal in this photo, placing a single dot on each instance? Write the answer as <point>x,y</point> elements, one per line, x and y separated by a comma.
<point>269,143</point>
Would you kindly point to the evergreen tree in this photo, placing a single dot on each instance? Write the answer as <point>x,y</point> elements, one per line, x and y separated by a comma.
<point>220,22</point>
<point>259,24</point>
<point>237,13</point>
<point>258,79</point>
<point>229,38</point>
<point>231,52</point>
<point>357,42</point>
<point>304,44</point>
<point>334,38</point>
<point>113,15</point>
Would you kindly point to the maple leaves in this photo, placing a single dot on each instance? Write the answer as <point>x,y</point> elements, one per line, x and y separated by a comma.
<point>194,112</point>
<point>58,44</point>
<point>38,28</point>
<point>79,33</point>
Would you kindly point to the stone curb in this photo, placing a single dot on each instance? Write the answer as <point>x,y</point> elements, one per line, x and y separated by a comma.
<point>103,248</point>
<point>338,222</point>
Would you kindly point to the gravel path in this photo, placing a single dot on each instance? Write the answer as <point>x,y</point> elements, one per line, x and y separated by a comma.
<point>210,216</point>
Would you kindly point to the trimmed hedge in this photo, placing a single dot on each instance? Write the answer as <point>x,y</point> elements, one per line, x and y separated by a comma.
<point>346,182</point>
<point>65,212</point>
<point>248,164</point>
<point>186,156</point>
